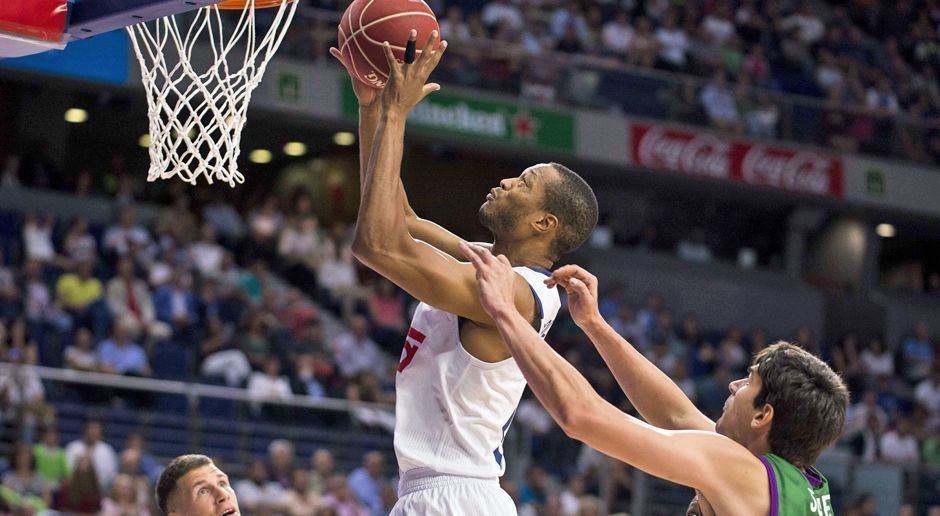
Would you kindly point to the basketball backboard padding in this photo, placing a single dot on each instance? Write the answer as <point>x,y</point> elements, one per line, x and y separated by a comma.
<point>91,17</point>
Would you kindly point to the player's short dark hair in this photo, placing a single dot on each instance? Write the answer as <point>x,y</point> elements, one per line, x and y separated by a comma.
<point>175,470</point>
<point>809,401</point>
<point>572,200</point>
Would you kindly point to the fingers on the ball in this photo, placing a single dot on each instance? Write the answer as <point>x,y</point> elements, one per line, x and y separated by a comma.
<point>389,56</point>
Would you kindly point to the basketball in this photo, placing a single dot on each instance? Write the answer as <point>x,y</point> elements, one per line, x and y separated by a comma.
<point>366,24</point>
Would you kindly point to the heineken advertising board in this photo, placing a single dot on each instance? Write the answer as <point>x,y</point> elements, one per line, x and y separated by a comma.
<point>483,120</point>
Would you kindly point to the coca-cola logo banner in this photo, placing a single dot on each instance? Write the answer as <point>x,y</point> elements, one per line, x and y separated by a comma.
<point>709,155</point>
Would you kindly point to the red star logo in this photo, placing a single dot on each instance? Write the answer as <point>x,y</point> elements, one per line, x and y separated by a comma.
<point>524,126</point>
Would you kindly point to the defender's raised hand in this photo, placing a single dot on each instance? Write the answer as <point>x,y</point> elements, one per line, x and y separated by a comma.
<point>407,82</point>
<point>581,286</point>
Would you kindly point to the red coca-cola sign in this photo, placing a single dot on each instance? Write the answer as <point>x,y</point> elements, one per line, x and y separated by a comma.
<point>708,155</point>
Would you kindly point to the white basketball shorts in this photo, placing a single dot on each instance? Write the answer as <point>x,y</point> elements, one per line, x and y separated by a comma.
<point>427,493</point>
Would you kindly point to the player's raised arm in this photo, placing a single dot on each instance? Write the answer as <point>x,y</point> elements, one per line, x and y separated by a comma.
<point>369,115</point>
<point>657,398</point>
<point>702,460</point>
<point>383,241</point>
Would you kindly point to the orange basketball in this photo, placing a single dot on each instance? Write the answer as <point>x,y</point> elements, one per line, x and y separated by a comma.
<point>366,24</point>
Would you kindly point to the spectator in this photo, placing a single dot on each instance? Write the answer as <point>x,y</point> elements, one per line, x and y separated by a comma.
<point>124,499</point>
<point>571,496</point>
<point>644,47</point>
<point>28,492</point>
<point>857,415</point>
<point>673,44</point>
<point>41,309</point>
<point>175,304</point>
<point>497,12</point>
<point>177,221</point>
<point>81,491</point>
<point>454,26</point>
<point>763,118</point>
<point>220,357</point>
<point>127,237</point>
<point>866,443</point>
<point>22,395</point>
<point>255,342</point>
<point>927,392</point>
<point>224,217</point>
<point>828,74</point>
<point>265,222</point>
<point>322,463</point>
<point>917,354</point>
<point>568,16</point>
<point>37,237</point>
<point>354,351</point>
<point>301,248</point>
<point>119,355</point>
<point>617,35</point>
<point>718,101</point>
<point>281,459</point>
<point>340,499</point>
<point>717,27</point>
<point>206,252</point>
<point>366,482</point>
<point>78,245</point>
<point>300,499</point>
<point>268,385</point>
<point>533,493</point>
<point>81,355</point>
<point>148,466</point>
<point>899,445</point>
<point>387,312</point>
<point>50,458</point>
<point>756,66</point>
<point>102,454</point>
<point>130,301</point>
<point>82,295</point>
<point>338,277</point>
<point>257,494</point>
<point>660,356</point>
<point>809,28</point>
<point>875,359</point>
<point>569,43</point>
<point>881,98</point>
<point>10,301</point>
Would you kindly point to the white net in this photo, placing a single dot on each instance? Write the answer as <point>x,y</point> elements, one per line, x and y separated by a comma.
<point>197,116</point>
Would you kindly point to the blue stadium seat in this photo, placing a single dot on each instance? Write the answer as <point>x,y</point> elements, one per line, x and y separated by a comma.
<point>171,361</point>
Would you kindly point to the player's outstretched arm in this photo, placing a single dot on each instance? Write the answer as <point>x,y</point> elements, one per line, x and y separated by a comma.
<point>369,115</point>
<point>655,396</point>
<point>383,241</point>
<point>699,459</point>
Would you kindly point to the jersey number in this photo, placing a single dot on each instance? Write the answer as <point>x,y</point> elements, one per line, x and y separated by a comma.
<point>408,354</point>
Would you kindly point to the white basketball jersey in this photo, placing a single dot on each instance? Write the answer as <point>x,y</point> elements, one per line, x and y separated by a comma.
<point>453,410</point>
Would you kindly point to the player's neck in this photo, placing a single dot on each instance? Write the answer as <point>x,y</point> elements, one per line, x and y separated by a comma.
<point>523,254</point>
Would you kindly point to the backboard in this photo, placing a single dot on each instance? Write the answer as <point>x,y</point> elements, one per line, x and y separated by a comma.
<point>33,26</point>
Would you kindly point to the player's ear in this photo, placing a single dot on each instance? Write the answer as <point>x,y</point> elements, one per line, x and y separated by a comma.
<point>546,222</point>
<point>762,417</point>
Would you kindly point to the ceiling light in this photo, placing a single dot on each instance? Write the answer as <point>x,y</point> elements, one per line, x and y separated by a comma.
<point>295,149</point>
<point>344,138</point>
<point>76,115</point>
<point>885,230</point>
<point>144,140</point>
<point>260,156</point>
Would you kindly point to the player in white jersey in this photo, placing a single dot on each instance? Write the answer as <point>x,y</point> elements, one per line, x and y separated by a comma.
<point>457,385</point>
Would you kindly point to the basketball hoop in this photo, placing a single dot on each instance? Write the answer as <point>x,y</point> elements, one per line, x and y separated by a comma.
<point>197,116</point>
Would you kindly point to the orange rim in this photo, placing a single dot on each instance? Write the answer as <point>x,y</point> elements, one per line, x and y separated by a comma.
<point>243,4</point>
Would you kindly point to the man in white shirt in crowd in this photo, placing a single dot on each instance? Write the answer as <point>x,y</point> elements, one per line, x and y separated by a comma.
<point>927,393</point>
<point>258,494</point>
<point>269,385</point>
<point>102,454</point>
<point>899,446</point>
<point>355,351</point>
